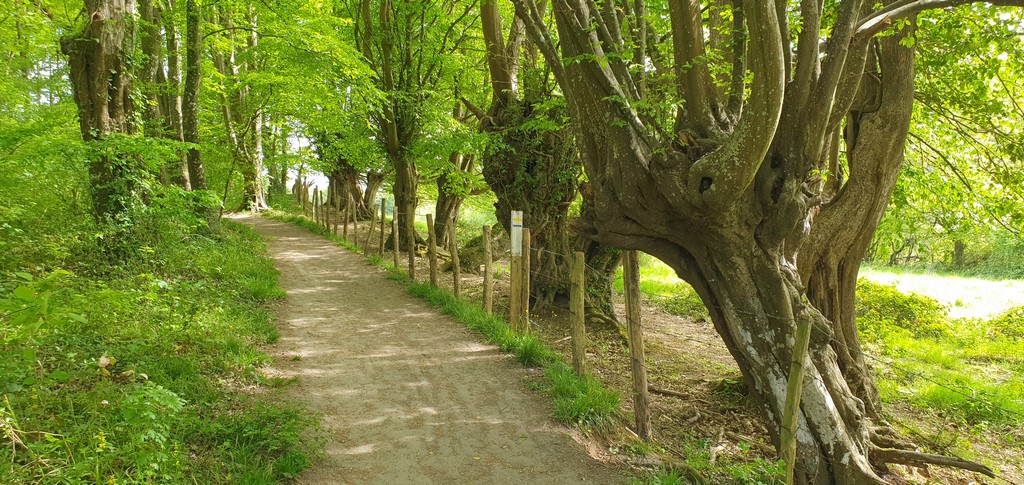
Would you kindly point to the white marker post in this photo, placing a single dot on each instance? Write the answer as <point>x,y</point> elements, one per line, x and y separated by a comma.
<point>515,270</point>
<point>517,233</point>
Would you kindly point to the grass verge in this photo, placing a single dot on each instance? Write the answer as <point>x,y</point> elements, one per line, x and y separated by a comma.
<point>134,375</point>
<point>579,400</point>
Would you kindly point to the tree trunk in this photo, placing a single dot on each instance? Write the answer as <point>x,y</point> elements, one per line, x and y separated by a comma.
<point>829,261</point>
<point>374,179</point>
<point>171,100</point>
<point>451,192</point>
<point>243,123</point>
<point>193,79</point>
<point>406,182</point>
<point>153,118</point>
<point>538,173</point>
<point>755,303</point>
<point>102,91</point>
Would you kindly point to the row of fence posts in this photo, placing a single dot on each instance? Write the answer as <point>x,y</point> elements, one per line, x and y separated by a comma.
<point>322,211</point>
<point>324,214</point>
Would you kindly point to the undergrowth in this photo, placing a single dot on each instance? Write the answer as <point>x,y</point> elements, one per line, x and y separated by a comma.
<point>660,286</point>
<point>579,400</point>
<point>967,369</point>
<point>130,373</point>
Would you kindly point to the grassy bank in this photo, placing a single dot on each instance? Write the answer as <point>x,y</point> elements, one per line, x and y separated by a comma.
<point>139,373</point>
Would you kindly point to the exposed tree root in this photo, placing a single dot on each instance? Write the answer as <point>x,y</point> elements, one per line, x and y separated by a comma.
<point>917,458</point>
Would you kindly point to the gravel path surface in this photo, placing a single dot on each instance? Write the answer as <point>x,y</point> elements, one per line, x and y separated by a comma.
<point>406,395</point>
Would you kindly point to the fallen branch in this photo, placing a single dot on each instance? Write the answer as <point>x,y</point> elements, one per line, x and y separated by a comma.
<point>917,458</point>
<point>677,394</point>
<point>667,392</point>
<point>763,448</point>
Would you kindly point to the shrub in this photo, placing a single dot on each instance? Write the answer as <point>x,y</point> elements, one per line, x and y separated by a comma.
<point>882,308</point>
<point>1008,324</point>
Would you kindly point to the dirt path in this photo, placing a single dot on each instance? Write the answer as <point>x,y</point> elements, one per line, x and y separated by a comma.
<point>407,395</point>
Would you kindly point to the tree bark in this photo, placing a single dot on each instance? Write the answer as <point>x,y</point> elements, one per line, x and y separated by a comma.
<point>242,121</point>
<point>537,171</point>
<point>829,261</point>
<point>101,85</point>
<point>726,203</point>
<point>193,80</point>
<point>171,100</point>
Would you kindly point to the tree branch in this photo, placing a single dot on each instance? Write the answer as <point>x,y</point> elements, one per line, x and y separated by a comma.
<point>882,19</point>
<point>739,60</point>
<point>693,79</point>
<point>477,112</point>
<point>538,33</point>
<point>721,175</point>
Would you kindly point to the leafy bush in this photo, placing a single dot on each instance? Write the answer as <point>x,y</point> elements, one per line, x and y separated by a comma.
<point>1008,324</point>
<point>883,308</point>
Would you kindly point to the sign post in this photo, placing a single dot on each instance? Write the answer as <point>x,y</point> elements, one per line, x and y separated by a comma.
<point>515,304</point>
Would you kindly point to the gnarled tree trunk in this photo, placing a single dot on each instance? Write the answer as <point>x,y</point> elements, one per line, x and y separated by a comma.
<point>101,85</point>
<point>728,198</point>
<point>537,171</point>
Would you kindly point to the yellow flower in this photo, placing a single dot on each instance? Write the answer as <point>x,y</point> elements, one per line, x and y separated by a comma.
<point>111,479</point>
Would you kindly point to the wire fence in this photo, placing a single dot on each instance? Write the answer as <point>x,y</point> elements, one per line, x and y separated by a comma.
<point>972,395</point>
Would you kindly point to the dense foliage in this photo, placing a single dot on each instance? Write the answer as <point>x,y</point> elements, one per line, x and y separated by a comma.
<point>132,316</point>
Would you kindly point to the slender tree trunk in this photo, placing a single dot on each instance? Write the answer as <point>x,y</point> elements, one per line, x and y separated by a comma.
<point>374,179</point>
<point>172,102</point>
<point>152,53</point>
<point>406,183</point>
<point>193,80</point>
<point>254,192</point>
<point>450,197</point>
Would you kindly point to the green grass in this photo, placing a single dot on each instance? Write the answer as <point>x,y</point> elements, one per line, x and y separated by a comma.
<point>132,376</point>
<point>967,369</point>
<point>579,400</point>
<point>660,286</point>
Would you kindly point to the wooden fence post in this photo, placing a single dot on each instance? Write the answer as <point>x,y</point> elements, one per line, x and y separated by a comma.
<point>394,234</point>
<point>344,221</point>
<point>336,211</point>
<point>515,302</point>
<point>524,283</point>
<point>488,283</point>
<point>794,387</point>
<point>410,241</point>
<point>515,280</point>
<point>383,216</point>
<point>312,206</point>
<point>576,313</point>
<point>432,249</point>
<point>453,244</point>
<point>305,197</point>
<point>355,220</point>
<point>631,278</point>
